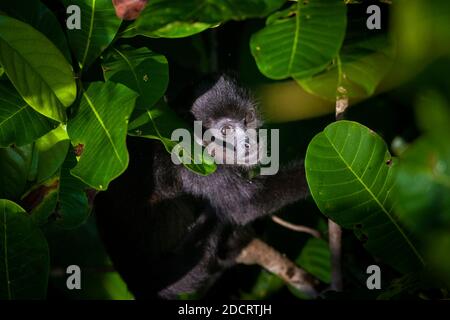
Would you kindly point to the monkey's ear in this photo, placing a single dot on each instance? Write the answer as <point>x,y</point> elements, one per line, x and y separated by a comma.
<point>129,9</point>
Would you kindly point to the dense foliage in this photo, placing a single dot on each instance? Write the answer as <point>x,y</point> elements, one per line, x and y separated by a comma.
<point>69,98</point>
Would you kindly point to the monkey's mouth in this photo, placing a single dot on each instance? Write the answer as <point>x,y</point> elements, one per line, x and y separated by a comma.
<point>245,153</point>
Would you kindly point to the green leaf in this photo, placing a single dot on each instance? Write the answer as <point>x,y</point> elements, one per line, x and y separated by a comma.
<point>37,68</point>
<point>159,123</point>
<point>351,175</point>
<point>423,179</point>
<point>24,257</point>
<point>19,123</point>
<point>358,69</point>
<point>266,285</point>
<point>315,258</point>
<point>141,70</point>
<point>51,151</point>
<point>180,18</point>
<point>41,18</point>
<point>15,165</point>
<point>40,202</point>
<point>73,201</point>
<point>300,41</point>
<point>99,25</point>
<point>100,126</point>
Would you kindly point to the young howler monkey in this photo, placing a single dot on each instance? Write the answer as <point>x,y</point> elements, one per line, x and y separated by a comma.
<point>170,231</point>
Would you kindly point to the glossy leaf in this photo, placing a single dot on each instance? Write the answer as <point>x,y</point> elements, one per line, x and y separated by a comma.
<point>351,175</point>
<point>51,151</point>
<point>100,128</point>
<point>99,26</point>
<point>19,123</point>
<point>41,18</point>
<point>180,18</point>
<point>141,70</point>
<point>159,123</point>
<point>24,257</point>
<point>73,201</point>
<point>37,68</point>
<point>300,41</point>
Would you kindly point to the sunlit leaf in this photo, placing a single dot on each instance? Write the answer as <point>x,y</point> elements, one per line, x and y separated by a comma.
<point>99,25</point>
<point>180,18</point>
<point>41,18</point>
<point>300,41</point>
<point>100,129</point>
<point>51,151</point>
<point>19,123</point>
<point>38,70</point>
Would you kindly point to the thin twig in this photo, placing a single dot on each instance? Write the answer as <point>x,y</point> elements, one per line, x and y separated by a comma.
<point>335,243</point>
<point>260,253</point>
<point>296,227</point>
<point>334,230</point>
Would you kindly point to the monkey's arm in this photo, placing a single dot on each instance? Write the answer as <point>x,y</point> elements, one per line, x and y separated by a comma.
<point>276,191</point>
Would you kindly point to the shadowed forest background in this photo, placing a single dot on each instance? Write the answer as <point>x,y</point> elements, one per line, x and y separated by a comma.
<point>69,98</point>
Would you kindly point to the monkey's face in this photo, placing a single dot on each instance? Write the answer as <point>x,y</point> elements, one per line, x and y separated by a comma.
<point>230,123</point>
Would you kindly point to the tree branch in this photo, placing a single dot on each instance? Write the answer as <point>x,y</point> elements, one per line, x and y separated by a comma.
<point>260,253</point>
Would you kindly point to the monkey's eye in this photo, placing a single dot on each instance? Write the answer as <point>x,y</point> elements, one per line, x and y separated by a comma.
<point>226,128</point>
<point>250,116</point>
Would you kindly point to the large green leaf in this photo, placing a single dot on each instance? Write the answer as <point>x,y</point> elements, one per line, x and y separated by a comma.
<point>351,175</point>
<point>24,257</point>
<point>51,151</point>
<point>158,123</point>
<point>99,25</point>
<point>359,67</point>
<point>41,18</point>
<point>180,18</point>
<point>300,41</point>
<point>19,123</point>
<point>15,165</point>
<point>37,68</point>
<point>141,70</point>
<point>100,127</point>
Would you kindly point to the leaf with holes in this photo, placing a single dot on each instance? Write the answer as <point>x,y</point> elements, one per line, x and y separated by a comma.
<point>24,257</point>
<point>141,70</point>
<point>100,126</point>
<point>181,18</point>
<point>351,176</point>
<point>300,41</point>
<point>19,123</point>
<point>99,26</point>
<point>37,68</point>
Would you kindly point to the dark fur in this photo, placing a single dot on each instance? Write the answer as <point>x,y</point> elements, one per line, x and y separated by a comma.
<point>169,230</point>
